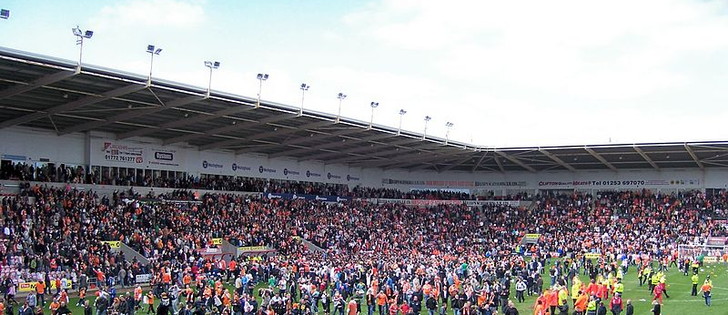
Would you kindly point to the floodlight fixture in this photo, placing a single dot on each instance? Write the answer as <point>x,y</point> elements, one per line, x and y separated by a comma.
<point>304,87</point>
<point>341,98</point>
<point>371,119</point>
<point>448,125</point>
<point>402,112</point>
<point>152,50</point>
<point>81,36</point>
<point>212,65</point>
<point>261,77</point>
<point>4,14</point>
<point>424,133</point>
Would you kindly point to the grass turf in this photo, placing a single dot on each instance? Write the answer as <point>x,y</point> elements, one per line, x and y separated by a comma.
<point>680,301</point>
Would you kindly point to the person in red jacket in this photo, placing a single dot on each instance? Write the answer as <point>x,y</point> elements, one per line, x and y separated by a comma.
<point>553,299</point>
<point>603,293</point>
<point>615,305</point>
<point>657,294</point>
<point>592,289</point>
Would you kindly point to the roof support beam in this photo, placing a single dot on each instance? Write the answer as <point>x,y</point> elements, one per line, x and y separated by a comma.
<point>185,122</point>
<point>499,163</point>
<point>458,163</point>
<point>228,128</point>
<point>557,160</point>
<point>600,158</point>
<point>84,101</point>
<point>516,161</point>
<point>132,114</point>
<point>694,156</point>
<point>334,143</point>
<point>647,158</point>
<point>475,167</point>
<point>234,142</point>
<point>40,82</point>
<point>299,141</point>
<point>362,148</point>
<point>409,158</point>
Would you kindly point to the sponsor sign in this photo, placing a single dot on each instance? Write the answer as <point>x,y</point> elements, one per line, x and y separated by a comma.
<point>592,255</point>
<point>617,183</point>
<point>30,286</point>
<point>143,278</point>
<point>471,203</point>
<point>211,165</point>
<point>287,172</point>
<point>240,168</point>
<point>164,158</point>
<point>476,203</point>
<point>262,170</point>
<point>253,248</point>
<point>429,183</point>
<point>531,238</point>
<point>113,244</point>
<point>306,197</point>
<point>329,175</point>
<point>710,259</point>
<point>350,178</point>
<point>501,184</point>
<point>65,284</point>
<point>312,174</point>
<point>216,241</point>
<point>27,286</point>
<point>122,154</point>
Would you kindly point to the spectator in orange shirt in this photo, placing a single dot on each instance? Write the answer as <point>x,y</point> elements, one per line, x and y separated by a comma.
<point>40,291</point>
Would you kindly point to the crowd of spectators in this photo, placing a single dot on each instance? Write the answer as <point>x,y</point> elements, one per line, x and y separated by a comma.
<point>50,233</point>
<point>76,174</point>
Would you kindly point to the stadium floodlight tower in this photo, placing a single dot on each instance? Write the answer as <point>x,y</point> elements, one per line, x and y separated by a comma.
<point>261,77</point>
<point>4,14</point>
<point>212,65</point>
<point>424,133</point>
<point>81,36</point>
<point>152,51</point>
<point>304,88</point>
<point>448,125</point>
<point>371,120</point>
<point>341,98</point>
<point>402,112</point>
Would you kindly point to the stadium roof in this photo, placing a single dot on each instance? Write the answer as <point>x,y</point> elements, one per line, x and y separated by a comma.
<point>44,92</point>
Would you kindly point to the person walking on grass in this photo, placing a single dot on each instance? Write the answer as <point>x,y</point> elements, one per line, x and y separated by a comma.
<point>705,289</point>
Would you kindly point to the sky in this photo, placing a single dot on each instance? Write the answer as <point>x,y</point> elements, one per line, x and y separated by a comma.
<point>505,73</point>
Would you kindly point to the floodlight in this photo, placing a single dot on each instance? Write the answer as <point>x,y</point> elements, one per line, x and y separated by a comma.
<point>341,97</point>
<point>371,120</point>
<point>4,14</point>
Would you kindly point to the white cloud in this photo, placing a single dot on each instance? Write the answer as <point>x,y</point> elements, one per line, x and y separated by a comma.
<point>141,13</point>
<point>552,64</point>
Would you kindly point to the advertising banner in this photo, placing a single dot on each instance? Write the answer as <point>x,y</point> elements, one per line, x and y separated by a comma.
<point>476,203</point>
<point>306,197</point>
<point>429,203</point>
<point>136,155</point>
<point>113,244</point>
<point>143,278</point>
